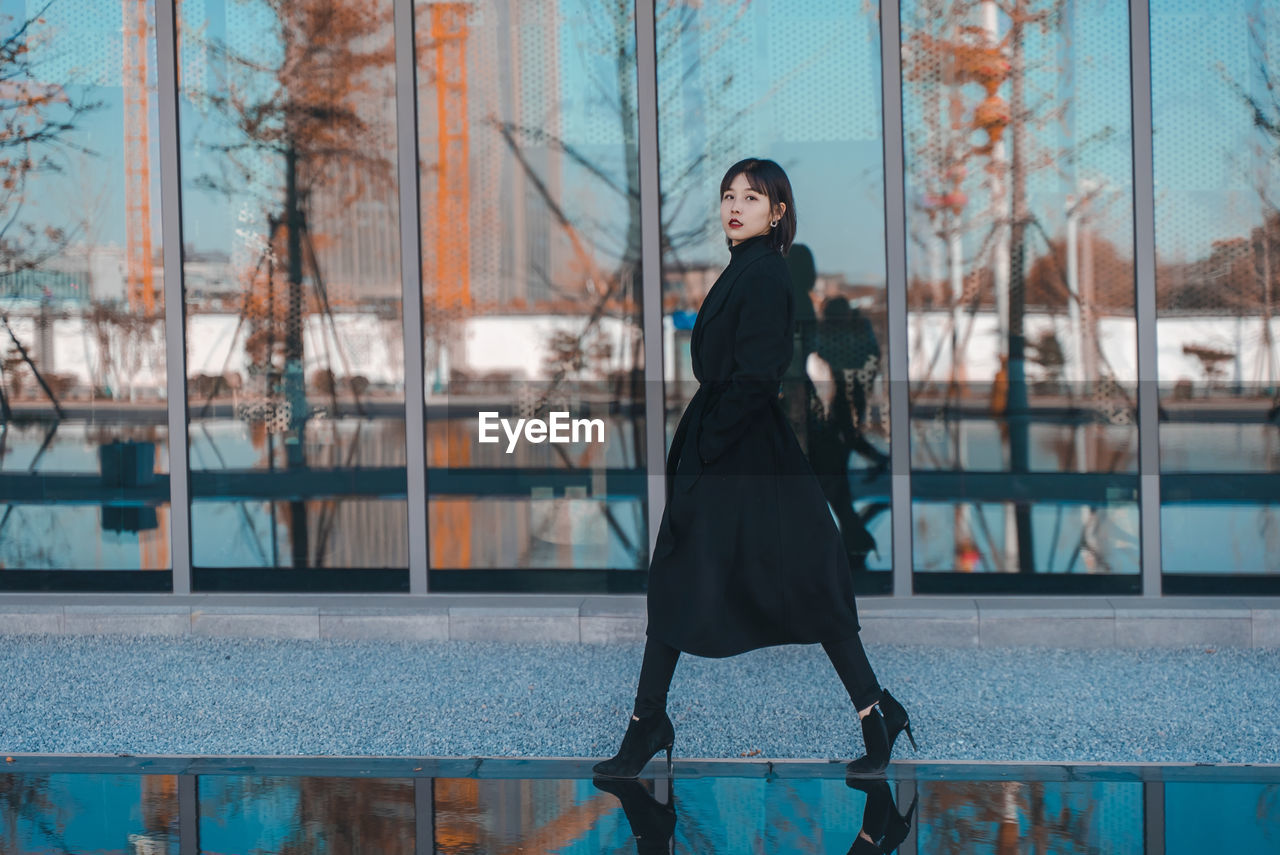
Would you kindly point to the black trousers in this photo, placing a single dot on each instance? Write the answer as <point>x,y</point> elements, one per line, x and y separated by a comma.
<point>848,656</point>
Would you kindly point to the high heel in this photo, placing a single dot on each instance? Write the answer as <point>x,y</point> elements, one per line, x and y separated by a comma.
<point>645,737</point>
<point>896,719</point>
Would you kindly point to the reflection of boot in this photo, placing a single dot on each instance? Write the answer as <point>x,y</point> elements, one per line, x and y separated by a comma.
<point>652,822</point>
<point>898,827</point>
<point>880,818</point>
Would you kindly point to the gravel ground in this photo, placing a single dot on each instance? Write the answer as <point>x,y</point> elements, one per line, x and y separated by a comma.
<point>108,695</point>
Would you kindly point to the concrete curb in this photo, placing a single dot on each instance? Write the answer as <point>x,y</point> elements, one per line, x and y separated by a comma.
<point>1073,622</point>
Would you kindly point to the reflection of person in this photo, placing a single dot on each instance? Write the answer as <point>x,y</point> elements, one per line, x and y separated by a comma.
<point>841,368</point>
<point>883,828</point>
<point>653,823</point>
<point>797,388</point>
<point>747,554</point>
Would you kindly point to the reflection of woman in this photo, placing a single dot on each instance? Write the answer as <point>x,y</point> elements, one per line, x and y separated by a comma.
<point>841,369</point>
<point>653,823</point>
<point>747,554</point>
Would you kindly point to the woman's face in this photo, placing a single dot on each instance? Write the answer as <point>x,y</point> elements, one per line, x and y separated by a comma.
<point>744,212</point>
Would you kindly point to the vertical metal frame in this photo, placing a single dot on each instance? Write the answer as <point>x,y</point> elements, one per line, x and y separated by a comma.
<point>188,815</point>
<point>895,242</point>
<point>1144,263</point>
<point>1153,819</point>
<point>651,263</point>
<point>174,307</point>
<point>424,816</point>
<point>411,283</point>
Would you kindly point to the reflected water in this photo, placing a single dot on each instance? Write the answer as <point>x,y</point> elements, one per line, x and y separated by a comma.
<point>132,805</point>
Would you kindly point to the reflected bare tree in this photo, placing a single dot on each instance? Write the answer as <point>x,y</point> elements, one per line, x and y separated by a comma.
<point>294,106</point>
<point>38,121</point>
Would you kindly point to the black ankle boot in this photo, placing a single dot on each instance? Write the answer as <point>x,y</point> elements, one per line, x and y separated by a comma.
<point>876,738</point>
<point>644,738</point>
<point>652,823</point>
<point>896,719</point>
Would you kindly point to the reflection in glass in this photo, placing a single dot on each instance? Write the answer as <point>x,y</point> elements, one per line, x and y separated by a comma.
<point>809,98</point>
<point>301,816</point>
<point>1215,112</point>
<point>1022,337</point>
<point>530,193</point>
<point>1014,816</point>
<point>89,813</point>
<point>295,381</point>
<point>82,358</point>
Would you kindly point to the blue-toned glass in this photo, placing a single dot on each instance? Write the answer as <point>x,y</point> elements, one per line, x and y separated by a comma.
<point>1217,182</point>
<point>83,418</point>
<point>529,188</point>
<point>294,340</point>
<point>798,82</point>
<point>1020,294</point>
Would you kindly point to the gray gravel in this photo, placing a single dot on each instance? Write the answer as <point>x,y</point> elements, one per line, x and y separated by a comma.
<point>109,695</point>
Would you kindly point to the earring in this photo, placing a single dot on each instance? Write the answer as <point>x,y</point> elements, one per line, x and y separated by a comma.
<point>773,225</point>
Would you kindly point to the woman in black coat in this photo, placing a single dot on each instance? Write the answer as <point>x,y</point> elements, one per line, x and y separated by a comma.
<point>747,554</point>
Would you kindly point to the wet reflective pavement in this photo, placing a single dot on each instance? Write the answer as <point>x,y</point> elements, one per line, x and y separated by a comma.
<point>221,806</point>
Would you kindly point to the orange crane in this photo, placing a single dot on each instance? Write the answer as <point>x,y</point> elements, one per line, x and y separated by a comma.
<point>448,226</point>
<point>140,285</point>
<point>153,544</point>
<point>447,232</point>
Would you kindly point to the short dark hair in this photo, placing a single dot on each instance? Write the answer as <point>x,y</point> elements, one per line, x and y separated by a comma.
<point>767,177</point>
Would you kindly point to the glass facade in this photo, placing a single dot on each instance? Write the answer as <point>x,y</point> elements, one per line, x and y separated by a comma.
<point>369,191</point>
<point>1217,232</point>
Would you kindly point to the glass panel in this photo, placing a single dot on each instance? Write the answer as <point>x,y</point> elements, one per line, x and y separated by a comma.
<point>1016,816</point>
<point>311,814</point>
<point>1215,112</point>
<point>89,813</point>
<point>1020,295</point>
<point>531,276</point>
<point>808,97</point>
<point>82,355</point>
<point>295,376</point>
<point>1246,817</point>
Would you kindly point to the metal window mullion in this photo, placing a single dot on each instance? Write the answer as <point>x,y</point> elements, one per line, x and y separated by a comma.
<point>174,307</point>
<point>895,238</point>
<point>188,815</point>
<point>651,262</point>
<point>411,285</point>
<point>1144,251</point>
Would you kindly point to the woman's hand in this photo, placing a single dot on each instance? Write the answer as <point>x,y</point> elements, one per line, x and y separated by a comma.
<point>819,371</point>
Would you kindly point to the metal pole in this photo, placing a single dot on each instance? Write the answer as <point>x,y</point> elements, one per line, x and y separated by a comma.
<point>411,285</point>
<point>895,236</point>
<point>174,308</point>
<point>651,264</point>
<point>1144,263</point>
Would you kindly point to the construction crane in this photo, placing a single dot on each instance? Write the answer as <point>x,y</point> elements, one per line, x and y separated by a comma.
<point>447,231</point>
<point>139,285</point>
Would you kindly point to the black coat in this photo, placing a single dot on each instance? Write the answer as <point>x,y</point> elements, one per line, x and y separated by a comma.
<point>747,553</point>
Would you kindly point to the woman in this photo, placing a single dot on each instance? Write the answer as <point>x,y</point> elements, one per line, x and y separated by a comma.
<point>747,554</point>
